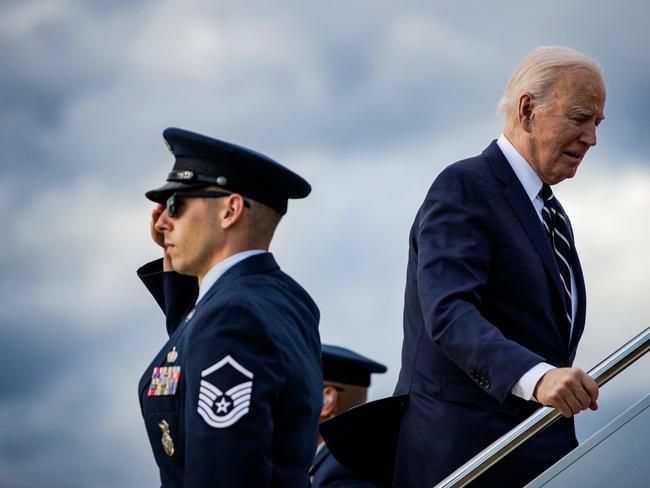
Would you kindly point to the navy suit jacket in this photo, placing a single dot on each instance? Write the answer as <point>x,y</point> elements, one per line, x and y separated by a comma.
<point>327,472</point>
<point>246,408</point>
<point>483,304</point>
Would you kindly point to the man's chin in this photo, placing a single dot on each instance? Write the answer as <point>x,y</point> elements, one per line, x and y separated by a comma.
<point>185,270</point>
<point>556,178</point>
<point>571,172</point>
<point>179,267</point>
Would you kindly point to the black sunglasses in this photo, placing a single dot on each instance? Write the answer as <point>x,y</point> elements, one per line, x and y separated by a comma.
<point>174,203</point>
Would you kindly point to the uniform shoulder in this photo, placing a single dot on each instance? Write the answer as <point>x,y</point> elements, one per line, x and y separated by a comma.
<point>270,287</point>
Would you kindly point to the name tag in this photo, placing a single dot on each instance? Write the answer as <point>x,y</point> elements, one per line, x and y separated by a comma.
<point>164,381</point>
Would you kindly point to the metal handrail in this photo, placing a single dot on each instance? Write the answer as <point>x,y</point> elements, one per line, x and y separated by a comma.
<point>545,416</point>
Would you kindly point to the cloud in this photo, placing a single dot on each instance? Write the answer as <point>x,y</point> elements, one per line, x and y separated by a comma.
<point>69,246</point>
<point>369,101</point>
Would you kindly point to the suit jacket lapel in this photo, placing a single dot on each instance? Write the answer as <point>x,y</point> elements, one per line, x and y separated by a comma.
<point>579,321</point>
<point>522,207</point>
<point>576,269</point>
<point>322,453</point>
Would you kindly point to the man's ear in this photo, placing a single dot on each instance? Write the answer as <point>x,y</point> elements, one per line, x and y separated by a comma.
<point>525,111</point>
<point>232,210</point>
<point>330,400</point>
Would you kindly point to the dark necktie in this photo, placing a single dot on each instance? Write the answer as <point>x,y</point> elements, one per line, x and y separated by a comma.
<point>557,229</point>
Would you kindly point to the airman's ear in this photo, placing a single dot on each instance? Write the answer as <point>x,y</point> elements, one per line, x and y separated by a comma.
<point>330,399</point>
<point>232,210</point>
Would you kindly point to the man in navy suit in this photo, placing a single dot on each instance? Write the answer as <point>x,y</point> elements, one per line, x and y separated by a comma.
<point>346,378</point>
<point>234,395</point>
<point>495,297</point>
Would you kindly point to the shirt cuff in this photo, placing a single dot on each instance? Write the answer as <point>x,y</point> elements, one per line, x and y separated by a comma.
<point>525,387</point>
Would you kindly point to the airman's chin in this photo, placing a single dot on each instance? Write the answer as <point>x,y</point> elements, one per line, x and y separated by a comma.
<point>183,268</point>
<point>178,265</point>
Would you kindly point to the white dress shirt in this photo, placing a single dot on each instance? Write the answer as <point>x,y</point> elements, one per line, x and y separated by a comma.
<point>532,184</point>
<point>220,268</point>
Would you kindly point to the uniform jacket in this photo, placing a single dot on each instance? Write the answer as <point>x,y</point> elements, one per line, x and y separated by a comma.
<point>327,472</point>
<point>245,411</point>
<point>483,304</point>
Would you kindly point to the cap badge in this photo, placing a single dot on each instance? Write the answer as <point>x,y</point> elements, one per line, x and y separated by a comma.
<point>167,442</point>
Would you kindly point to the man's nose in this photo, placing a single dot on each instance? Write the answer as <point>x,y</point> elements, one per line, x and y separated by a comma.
<point>589,135</point>
<point>163,223</point>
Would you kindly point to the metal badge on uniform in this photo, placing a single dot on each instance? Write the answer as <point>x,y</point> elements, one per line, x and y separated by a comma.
<point>166,439</point>
<point>189,315</point>
<point>164,381</point>
<point>226,397</point>
<point>172,355</point>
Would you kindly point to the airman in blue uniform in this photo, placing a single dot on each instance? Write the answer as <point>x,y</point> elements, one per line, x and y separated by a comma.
<point>346,378</point>
<point>233,397</point>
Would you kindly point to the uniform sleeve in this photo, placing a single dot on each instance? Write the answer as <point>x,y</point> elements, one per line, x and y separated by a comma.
<point>174,293</point>
<point>234,376</point>
<point>350,482</point>
<point>340,477</point>
<point>454,244</point>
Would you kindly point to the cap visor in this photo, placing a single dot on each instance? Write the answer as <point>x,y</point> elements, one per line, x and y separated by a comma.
<point>160,195</point>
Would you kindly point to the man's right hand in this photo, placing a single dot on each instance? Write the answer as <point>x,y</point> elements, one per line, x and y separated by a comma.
<point>570,390</point>
<point>158,237</point>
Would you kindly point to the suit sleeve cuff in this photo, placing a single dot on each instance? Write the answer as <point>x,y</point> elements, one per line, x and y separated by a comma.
<point>525,387</point>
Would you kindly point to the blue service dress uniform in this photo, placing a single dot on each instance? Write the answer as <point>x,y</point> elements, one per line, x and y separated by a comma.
<point>327,472</point>
<point>233,398</point>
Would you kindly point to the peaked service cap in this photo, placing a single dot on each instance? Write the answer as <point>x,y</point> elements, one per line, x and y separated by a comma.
<point>342,365</point>
<point>203,161</point>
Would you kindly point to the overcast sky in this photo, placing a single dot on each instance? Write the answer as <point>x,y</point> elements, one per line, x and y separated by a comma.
<point>367,100</point>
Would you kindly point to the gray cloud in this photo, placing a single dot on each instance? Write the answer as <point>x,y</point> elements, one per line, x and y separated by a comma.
<point>319,78</point>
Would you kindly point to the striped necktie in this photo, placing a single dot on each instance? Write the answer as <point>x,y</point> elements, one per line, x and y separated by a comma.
<point>557,229</point>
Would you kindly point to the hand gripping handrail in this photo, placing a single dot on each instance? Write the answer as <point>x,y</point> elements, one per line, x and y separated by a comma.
<point>545,416</point>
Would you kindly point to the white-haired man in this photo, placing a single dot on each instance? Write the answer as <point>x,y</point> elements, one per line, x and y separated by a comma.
<point>495,298</point>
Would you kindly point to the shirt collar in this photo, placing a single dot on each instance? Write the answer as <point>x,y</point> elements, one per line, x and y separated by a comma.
<point>525,173</point>
<point>220,268</point>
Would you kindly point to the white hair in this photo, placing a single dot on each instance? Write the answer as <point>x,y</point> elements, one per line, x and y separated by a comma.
<point>538,73</point>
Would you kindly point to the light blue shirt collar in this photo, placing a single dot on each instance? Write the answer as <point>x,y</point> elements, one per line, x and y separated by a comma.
<point>532,185</point>
<point>220,268</point>
<point>524,171</point>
